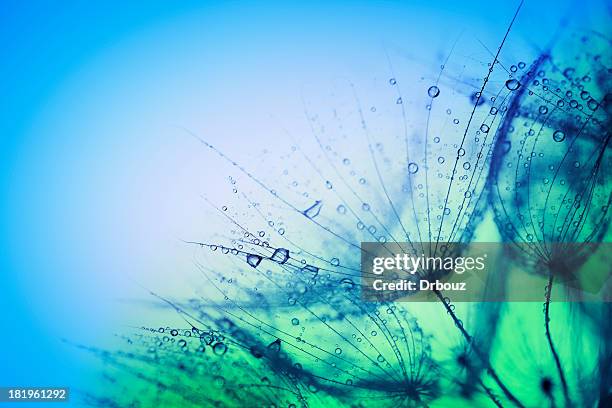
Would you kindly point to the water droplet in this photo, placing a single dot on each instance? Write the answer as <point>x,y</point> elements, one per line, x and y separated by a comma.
<point>433,91</point>
<point>347,284</point>
<point>399,101</point>
<point>493,111</point>
<point>392,81</point>
<point>206,338</point>
<point>335,261</point>
<point>338,350</point>
<point>440,159</point>
<point>341,209</point>
<point>413,167</point>
<point>365,207</point>
<point>558,136</point>
<point>521,65</point>
<point>313,270</point>
<point>484,128</point>
<point>436,139</point>
<point>461,152</point>
<point>466,165</point>
<point>280,255</point>
<point>513,84</point>
<point>543,110</point>
<point>253,260</point>
<point>328,184</point>
<point>275,346</point>
<point>295,321</point>
<point>476,99</point>
<point>314,209</point>
<point>219,349</point>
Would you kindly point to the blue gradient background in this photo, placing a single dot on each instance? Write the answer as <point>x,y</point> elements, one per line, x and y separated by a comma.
<point>97,181</point>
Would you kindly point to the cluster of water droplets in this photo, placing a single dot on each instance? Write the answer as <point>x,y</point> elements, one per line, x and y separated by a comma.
<point>549,176</point>
<point>282,320</point>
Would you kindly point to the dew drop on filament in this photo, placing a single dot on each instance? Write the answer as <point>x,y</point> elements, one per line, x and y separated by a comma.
<point>253,260</point>
<point>558,136</point>
<point>433,91</point>
<point>513,84</point>
<point>314,209</point>
<point>280,255</point>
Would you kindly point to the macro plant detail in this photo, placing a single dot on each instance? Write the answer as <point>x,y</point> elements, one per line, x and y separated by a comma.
<point>484,147</point>
<point>549,187</point>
